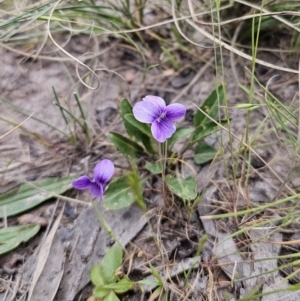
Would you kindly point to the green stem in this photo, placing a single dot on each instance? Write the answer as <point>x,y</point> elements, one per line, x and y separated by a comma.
<point>106,226</point>
<point>163,157</point>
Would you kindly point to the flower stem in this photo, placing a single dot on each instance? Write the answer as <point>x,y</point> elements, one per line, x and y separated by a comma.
<point>163,157</point>
<point>106,226</point>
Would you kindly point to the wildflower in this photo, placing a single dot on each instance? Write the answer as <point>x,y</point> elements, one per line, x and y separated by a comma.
<point>103,172</point>
<point>153,110</point>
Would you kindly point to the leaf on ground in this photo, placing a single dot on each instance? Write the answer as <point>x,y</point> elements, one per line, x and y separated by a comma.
<point>119,194</point>
<point>123,286</point>
<point>204,153</point>
<point>155,168</point>
<point>41,262</point>
<point>184,188</point>
<point>100,292</point>
<point>111,297</point>
<point>125,223</point>
<point>204,130</point>
<point>180,133</point>
<point>97,275</point>
<point>149,283</point>
<point>156,294</point>
<point>111,262</point>
<point>51,276</point>
<point>125,145</point>
<point>28,196</point>
<point>12,237</point>
<point>156,274</point>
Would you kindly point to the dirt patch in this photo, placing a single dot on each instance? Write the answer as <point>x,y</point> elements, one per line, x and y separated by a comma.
<point>40,149</point>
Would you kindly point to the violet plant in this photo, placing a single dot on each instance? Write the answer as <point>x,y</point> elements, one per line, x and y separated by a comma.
<point>152,132</point>
<point>150,125</point>
<point>151,141</point>
<point>153,110</point>
<point>106,279</point>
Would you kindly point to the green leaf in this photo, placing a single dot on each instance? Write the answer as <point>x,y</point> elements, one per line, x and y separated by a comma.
<point>135,184</point>
<point>172,58</point>
<point>12,237</point>
<point>180,133</point>
<point>111,262</point>
<point>97,275</point>
<point>156,274</point>
<point>100,292</point>
<point>248,106</point>
<point>126,108</point>
<point>111,297</point>
<point>27,196</point>
<point>204,153</point>
<point>210,106</point>
<point>123,286</point>
<point>140,131</point>
<point>147,142</point>
<point>119,194</point>
<point>156,294</point>
<point>147,282</point>
<point>204,130</point>
<point>155,168</point>
<point>125,145</point>
<point>138,126</point>
<point>165,296</point>
<point>184,188</point>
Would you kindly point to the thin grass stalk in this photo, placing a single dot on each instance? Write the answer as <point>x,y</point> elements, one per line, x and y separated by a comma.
<point>83,117</point>
<point>60,107</point>
<point>218,7</point>
<point>254,44</point>
<point>19,110</point>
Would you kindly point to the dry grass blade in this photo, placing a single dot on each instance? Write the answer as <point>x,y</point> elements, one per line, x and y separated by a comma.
<point>259,8</point>
<point>219,42</point>
<point>252,150</point>
<point>44,253</point>
<point>194,80</point>
<point>17,126</point>
<point>236,51</point>
<point>70,55</point>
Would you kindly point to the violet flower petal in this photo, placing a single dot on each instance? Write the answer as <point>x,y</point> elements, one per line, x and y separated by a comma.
<point>103,171</point>
<point>146,111</point>
<point>175,111</point>
<point>97,190</point>
<point>156,100</point>
<point>83,182</point>
<point>162,130</point>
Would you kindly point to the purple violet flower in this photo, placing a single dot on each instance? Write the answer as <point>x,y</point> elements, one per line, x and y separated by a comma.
<point>153,110</point>
<point>103,172</point>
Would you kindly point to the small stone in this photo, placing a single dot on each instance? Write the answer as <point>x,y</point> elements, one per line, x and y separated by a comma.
<point>296,183</point>
<point>27,219</point>
<point>129,76</point>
